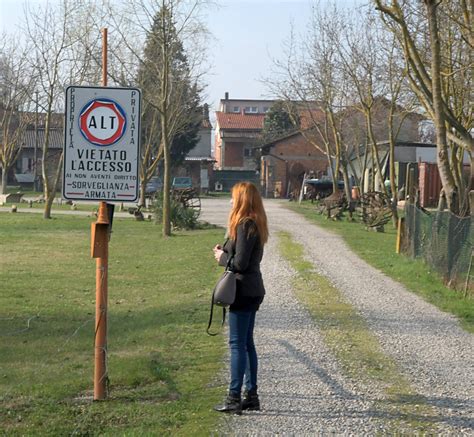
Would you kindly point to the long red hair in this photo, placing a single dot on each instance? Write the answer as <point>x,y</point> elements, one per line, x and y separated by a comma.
<point>247,204</point>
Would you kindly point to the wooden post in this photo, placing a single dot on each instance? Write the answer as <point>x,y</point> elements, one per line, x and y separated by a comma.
<point>400,233</point>
<point>100,251</point>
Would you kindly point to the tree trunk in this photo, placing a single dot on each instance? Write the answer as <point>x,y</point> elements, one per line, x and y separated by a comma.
<point>52,190</point>
<point>3,188</point>
<point>393,184</point>
<point>166,177</point>
<point>375,153</point>
<point>48,192</point>
<point>337,166</point>
<point>47,207</point>
<point>142,201</point>
<point>445,173</point>
<point>347,186</point>
<point>167,192</point>
<point>333,170</point>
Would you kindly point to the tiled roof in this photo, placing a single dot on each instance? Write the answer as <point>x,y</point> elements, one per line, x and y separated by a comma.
<point>228,120</point>
<point>56,138</point>
<point>309,117</point>
<point>200,158</point>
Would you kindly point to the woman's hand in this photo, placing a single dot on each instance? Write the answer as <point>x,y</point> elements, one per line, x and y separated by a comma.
<point>217,252</point>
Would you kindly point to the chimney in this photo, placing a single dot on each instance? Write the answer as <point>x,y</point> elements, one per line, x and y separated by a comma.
<point>226,96</point>
<point>205,111</point>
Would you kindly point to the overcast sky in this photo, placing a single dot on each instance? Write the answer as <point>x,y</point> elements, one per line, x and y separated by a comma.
<point>247,35</point>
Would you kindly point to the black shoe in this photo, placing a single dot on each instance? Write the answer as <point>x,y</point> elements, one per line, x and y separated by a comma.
<point>251,401</point>
<point>232,405</point>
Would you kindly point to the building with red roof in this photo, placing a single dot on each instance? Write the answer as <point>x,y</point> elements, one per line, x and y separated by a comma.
<point>238,125</point>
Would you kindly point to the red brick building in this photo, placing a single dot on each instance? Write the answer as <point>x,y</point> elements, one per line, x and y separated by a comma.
<point>284,163</point>
<point>238,125</point>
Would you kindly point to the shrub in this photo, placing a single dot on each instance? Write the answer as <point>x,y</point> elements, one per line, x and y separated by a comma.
<point>181,217</point>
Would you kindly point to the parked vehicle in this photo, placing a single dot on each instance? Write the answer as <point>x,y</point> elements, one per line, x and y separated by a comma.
<point>319,188</point>
<point>154,185</point>
<point>181,183</point>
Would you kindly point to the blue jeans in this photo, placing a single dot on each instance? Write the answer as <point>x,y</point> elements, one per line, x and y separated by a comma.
<point>243,356</point>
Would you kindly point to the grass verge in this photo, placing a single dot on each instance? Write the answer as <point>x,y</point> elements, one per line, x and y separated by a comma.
<point>358,351</point>
<point>378,249</point>
<point>162,365</point>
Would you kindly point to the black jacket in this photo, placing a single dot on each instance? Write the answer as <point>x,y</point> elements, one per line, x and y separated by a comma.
<point>248,253</point>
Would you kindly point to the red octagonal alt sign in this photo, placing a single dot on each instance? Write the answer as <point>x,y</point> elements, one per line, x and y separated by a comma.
<point>102,122</point>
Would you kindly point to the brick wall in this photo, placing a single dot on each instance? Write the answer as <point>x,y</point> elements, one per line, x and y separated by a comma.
<point>291,158</point>
<point>234,155</point>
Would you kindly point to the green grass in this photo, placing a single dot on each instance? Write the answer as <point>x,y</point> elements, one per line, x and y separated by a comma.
<point>25,191</point>
<point>55,207</point>
<point>348,336</point>
<point>378,249</point>
<point>162,364</point>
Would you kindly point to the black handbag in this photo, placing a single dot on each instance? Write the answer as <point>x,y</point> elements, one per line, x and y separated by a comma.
<point>224,292</point>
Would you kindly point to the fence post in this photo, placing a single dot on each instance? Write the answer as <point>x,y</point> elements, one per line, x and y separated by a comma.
<point>400,233</point>
<point>411,190</point>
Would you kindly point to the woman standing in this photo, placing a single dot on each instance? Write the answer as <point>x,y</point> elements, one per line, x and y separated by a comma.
<point>247,232</point>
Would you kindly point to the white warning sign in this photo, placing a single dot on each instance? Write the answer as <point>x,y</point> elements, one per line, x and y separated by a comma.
<point>101,148</point>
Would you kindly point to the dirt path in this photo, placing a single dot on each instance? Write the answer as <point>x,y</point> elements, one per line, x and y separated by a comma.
<point>302,387</point>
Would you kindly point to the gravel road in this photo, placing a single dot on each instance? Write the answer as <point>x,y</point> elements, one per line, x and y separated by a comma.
<point>302,388</point>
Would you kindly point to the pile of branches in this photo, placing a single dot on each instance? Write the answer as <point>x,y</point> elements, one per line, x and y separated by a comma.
<point>333,206</point>
<point>375,210</point>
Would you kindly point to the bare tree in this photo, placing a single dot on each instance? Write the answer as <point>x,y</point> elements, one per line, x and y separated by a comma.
<point>174,28</point>
<point>309,76</point>
<point>395,78</point>
<point>372,61</point>
<point>58,59</point>
<point>440,77</point>
<point>360,58</point>
<point>15,86</point>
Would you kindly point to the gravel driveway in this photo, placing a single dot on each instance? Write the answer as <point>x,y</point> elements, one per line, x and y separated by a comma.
<point>302,388</point>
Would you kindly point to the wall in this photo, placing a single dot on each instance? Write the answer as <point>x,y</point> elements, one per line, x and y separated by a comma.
<point>218,149</point>
<point>203,147</point>
<point>234,155</point>
<point>292,157</point>
<point>429,184</point>
<point>354,125</point>
<point>228,105</point>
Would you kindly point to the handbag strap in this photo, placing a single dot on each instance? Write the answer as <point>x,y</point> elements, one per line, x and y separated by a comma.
<point>231,258</point>
<point>229,261</point>
<point>210,317</point>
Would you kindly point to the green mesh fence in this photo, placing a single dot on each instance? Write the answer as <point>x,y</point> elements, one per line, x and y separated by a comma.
<point>444,241</point>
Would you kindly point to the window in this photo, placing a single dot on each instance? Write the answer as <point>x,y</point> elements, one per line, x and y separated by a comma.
<point>265,109</point>
<point>251,109</point>
<point>248,152</point>
<point>236,109</point>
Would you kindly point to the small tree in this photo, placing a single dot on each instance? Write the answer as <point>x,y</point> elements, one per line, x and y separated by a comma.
<point>15,87</point>
<point>281,118</point>
<point>168,75</point>
<point>58,58</point>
